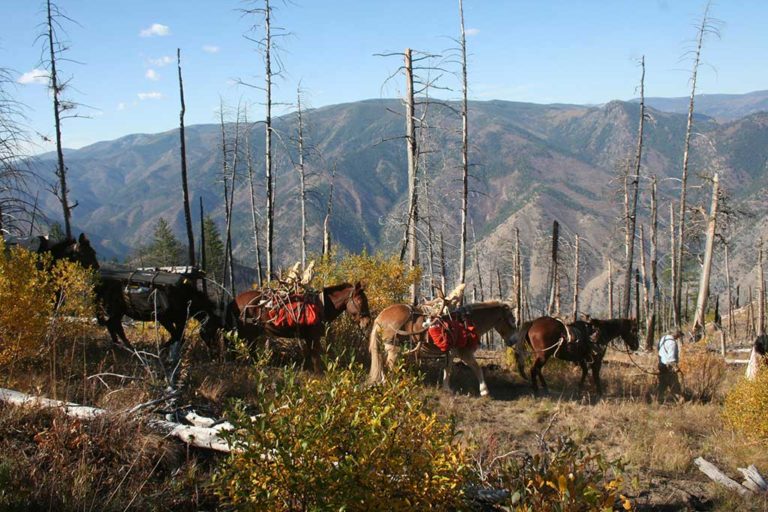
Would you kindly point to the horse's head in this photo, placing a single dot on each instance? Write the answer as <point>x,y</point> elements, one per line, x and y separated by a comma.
<point>78,251</point>
<point>630,334</point>
<point>357,305</point>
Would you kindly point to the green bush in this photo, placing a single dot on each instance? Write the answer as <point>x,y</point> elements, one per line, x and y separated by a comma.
<point>335,443</point>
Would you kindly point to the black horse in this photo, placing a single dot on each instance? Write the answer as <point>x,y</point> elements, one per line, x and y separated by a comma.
<point>79,251</point>
<point>169,298</point>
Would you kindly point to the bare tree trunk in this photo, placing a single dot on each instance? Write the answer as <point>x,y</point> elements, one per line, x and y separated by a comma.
<point>498,282</point>
<point>183,149</point>
<point>651,325</point>
<point>684,177</point>
<point>327,219</point>
<point>632,218</point>
<point>56,88</point>
<point>761,298</point>
<point>302,182</point>
<point>646,291</point>
<point>235,154</point>
<point>254,220</point>
<point>464,151</point>
<point>729,294</point>
<point>610,288</point>
<point>518,280</point>
<point>413,190</point>
<point>553,283</point>
<point>674,269</point>
<point>443,277</point>
<point>225,180</point>
<point>576,280</point>
<point>751,331</point>
<point>701,302</point>
<point>268,139</point>
<point>202,246</point>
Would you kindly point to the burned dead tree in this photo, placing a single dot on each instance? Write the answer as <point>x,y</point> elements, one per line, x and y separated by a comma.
<point>183,150</point>
<point>701,302</point>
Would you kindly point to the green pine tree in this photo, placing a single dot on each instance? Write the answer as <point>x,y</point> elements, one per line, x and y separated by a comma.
<point>165,249</point>
<point>56,232</point>
<point>214,250</point>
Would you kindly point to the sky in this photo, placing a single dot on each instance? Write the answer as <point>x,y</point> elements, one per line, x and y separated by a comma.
<point>122,68</point>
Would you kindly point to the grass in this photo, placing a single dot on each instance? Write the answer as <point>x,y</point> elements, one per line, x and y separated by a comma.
<point>657,441</point>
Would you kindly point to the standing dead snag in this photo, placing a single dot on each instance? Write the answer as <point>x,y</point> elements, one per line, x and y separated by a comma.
<point>302,178</point>
<point>412,154</point>
<point>464,150</point>
<point>553,280</point>
<point>701,302</point>
<point>631,221</point>
<point>576,280</point>
<point>183,150</point>
<point>60,106</point>
<point>252,197</point>
<point>327,219</point>
<point>706,27</point>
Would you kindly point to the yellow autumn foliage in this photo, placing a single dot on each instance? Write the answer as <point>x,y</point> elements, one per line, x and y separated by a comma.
<point>38,306</point>
<point>334,443</point>
<point>746,406</point>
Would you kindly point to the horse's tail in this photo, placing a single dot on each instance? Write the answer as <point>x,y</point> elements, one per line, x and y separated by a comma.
<point>520,343</point>
<point>377,371</point>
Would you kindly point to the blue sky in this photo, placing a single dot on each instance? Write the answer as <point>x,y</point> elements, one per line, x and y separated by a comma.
<point>544,51</point>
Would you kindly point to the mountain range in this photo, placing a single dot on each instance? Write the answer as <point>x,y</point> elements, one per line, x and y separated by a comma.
<point>531,164</point>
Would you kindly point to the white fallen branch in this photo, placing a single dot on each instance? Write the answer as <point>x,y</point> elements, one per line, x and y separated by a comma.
<point>200,437</point>
<point>754,483</point>
<point>736,361</point>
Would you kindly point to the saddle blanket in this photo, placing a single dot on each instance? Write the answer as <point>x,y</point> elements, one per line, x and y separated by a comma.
<point>297,312</point>
<point>448,333</point>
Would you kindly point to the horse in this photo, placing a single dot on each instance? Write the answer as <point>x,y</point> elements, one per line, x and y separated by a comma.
<point>171,304</point>
<point>254,319</point>
<point>80,251</point>
<point>550,337</point>
<point>401,322</point>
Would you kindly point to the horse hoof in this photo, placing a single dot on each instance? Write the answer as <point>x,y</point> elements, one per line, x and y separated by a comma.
<point>484,390</point>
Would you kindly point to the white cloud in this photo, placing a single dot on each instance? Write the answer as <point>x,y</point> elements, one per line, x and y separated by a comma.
<point>36,76</point>
<point>209,48</point>
<point>156,29</point>
<point>472,31</point>
<point>161,61</point>
<point>151,74</point>
<point>154,95</point>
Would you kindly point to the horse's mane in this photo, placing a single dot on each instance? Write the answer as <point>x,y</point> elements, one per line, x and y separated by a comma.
<point>337,287</point>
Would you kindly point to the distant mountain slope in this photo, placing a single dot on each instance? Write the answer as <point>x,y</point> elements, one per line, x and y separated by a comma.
<point>723,107</point>
<point>532,164</point>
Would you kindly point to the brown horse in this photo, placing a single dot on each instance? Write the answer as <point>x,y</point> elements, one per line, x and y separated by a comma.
<point>253,319</point>
<point>401,322</point>
<point>78,251</point>
<point>582,342</point>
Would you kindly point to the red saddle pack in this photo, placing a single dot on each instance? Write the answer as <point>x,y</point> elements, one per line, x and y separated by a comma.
<point>449,333</point>
<point>299,311</point>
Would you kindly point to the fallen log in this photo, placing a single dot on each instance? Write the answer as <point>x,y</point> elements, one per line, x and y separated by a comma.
<point>753,483</point>
<point>736,361</point>
<point>719,477</point>
<point>200,437</point>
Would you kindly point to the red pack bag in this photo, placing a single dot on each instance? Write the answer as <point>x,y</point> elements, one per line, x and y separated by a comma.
<point>297,312</point>
<point>447,334</point>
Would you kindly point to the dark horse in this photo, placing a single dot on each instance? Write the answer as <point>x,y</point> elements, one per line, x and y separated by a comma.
<point>401,322</point>
<point>79,251</point>
<point>582,342</point>
<point>253,318</point>
<point>171,299</point>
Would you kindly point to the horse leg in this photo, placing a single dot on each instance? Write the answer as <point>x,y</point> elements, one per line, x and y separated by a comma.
<point>469,359</point>
<point>312,357</point>
<point>584,372</point>
<point>596,377</point>
<point>536,372</point>
<point>392,351</point>
<point>447,370</point>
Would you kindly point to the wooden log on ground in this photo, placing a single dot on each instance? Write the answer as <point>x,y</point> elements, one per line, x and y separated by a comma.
<point>736,361</point>
<point>753,480</point>
<point>719,477</point>
<point>200,437</point>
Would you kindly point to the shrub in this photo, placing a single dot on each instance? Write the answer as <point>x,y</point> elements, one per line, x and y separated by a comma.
<point>39,305</point>
<point>563,477</point>
<point>703,371</point>
<point>746,407</point>
<point>386,281</point>
<point>334,443</point>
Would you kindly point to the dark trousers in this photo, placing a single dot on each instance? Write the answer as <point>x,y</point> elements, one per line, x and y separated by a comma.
<point>668,379</point>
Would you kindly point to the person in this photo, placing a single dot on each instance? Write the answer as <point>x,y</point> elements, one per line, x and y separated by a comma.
<point>669,358</point>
